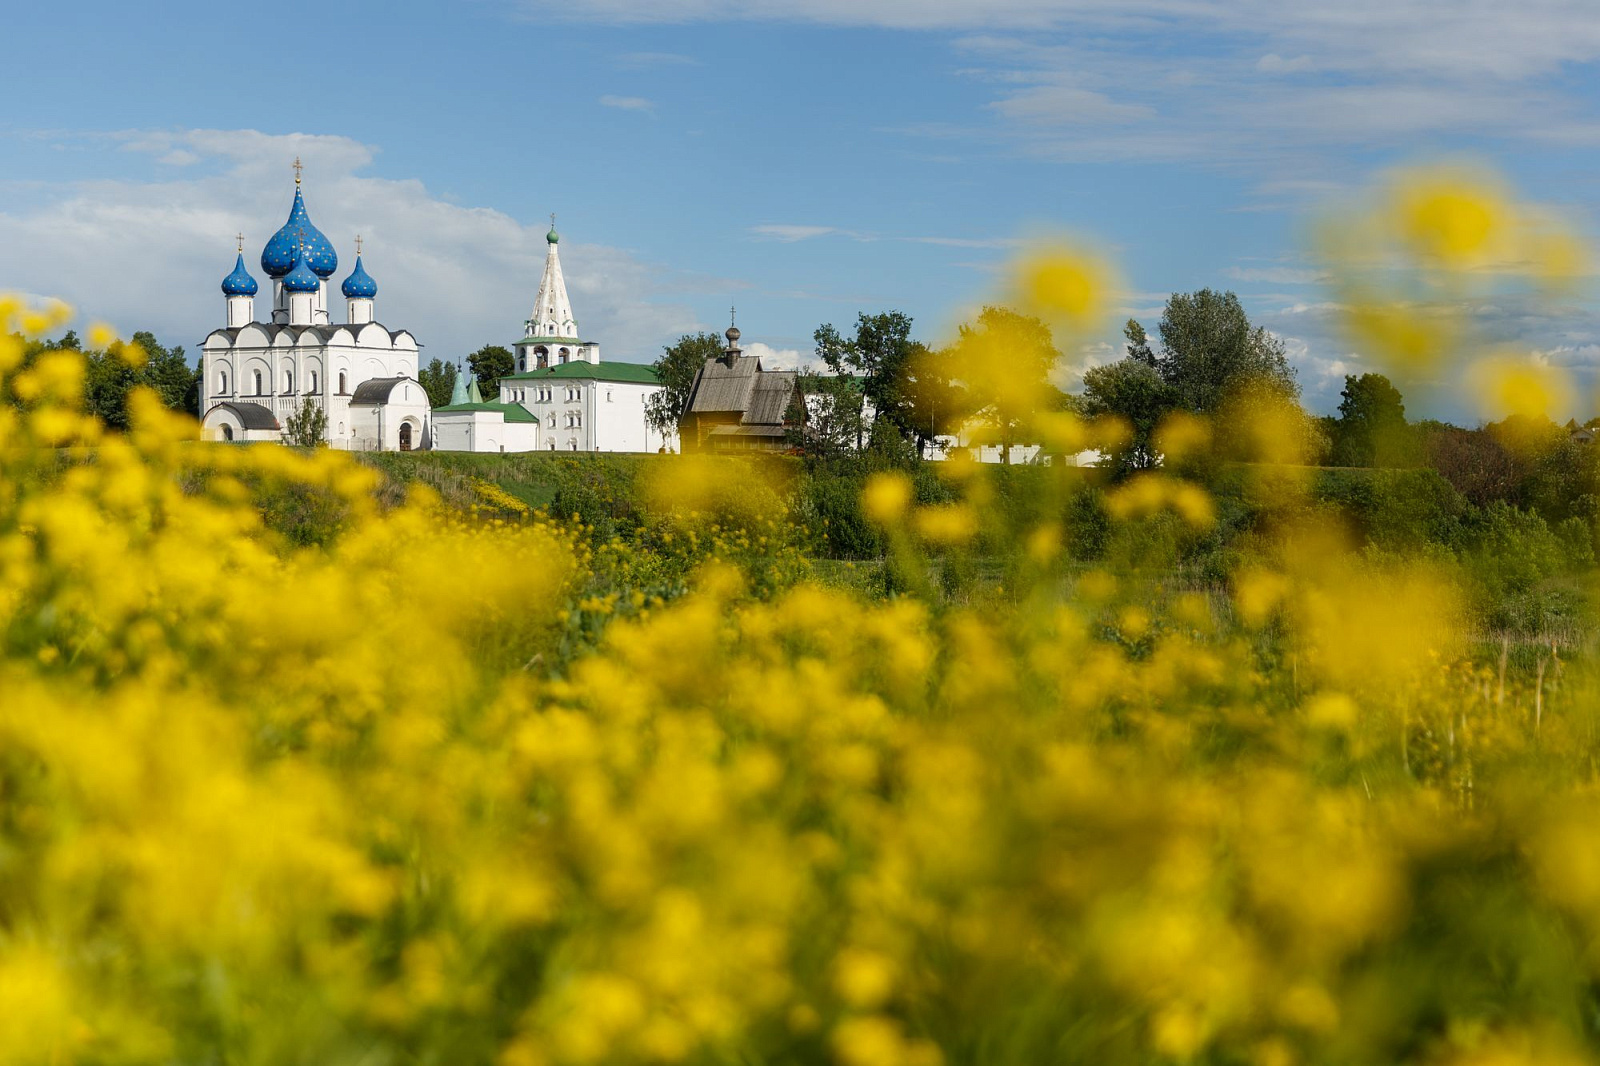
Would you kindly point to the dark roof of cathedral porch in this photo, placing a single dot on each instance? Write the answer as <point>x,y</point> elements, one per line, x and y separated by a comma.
<point>376,390</point>
<point>251,415</point>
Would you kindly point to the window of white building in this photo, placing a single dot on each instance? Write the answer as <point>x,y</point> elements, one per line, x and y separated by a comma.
<point>256,375</point>
<point>288,381</point>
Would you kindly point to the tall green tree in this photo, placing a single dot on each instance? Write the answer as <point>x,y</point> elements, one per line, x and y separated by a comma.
<point>1129,389</point>
<point>1371,429</point>
<point>834,420</point>
<point>167,371</point>
<point>675,368</point>
<point>489,364</point>
<point>1138,343</point>
<point>939,403</point>
<point>438,380</point>
<point>881,355</point>
<point>1007,359</point>
<point>107,379</point>
<point>1210,350</point>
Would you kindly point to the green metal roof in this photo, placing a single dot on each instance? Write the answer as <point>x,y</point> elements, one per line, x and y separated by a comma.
<point>513,412</point>
<point>631,373</point>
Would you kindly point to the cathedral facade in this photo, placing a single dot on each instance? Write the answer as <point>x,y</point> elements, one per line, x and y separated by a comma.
<point>255,373</point>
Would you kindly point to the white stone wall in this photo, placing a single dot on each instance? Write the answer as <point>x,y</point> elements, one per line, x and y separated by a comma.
<point>577,415</point>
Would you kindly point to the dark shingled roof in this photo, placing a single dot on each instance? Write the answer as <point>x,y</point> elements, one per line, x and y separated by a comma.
<point>251,415</point>
<point>740,384</point>
<point>376,390</point>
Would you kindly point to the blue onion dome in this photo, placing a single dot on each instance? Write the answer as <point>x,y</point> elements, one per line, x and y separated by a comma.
<point>239,283</point>
<point>302,278</point>
<point>279,256</point>
<point>359,285</point>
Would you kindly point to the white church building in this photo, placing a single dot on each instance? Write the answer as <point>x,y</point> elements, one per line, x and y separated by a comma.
<point>255,374</point>
<point>562,397</point>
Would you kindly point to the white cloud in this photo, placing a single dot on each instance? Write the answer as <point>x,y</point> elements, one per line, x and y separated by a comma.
<point>149,255</point>
<point>628,103</point>
<point>651,60</point>
<point>1277,275</point>
<point>1066,105</point>
<point>789,233</point>
<point>1273,63</point>
<point>782,358</point>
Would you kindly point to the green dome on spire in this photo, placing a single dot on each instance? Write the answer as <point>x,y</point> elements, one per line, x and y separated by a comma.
<point>552,236</point>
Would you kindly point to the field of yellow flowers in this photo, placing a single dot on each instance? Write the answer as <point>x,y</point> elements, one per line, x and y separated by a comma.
<point>420,794</point>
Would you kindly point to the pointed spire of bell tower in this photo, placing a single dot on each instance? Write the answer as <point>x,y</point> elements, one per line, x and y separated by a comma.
<point>552,316</point>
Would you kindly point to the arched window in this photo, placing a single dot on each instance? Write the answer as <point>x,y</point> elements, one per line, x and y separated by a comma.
<point>552,445</point>
<point>522,361</point>
<point>572,445</point>
<point>222,382</point>
<point>341,383</point>
<point>313,381</point>
<point>288,380</point>
<point>564,354</point>
<point>257,376</point>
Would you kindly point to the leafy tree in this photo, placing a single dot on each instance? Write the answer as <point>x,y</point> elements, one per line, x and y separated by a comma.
<point>881,355</point>
<point>1129,389</point>
<point>834,419</point>
<point>1138,343</point>
<point>489,364</point>
<point>1209,349</point>
<point>1474,462</point>
<point>675,368</point>
<point>438,380</point>
<point>307,427</point>
<point>1371,430</point>
<point>1009,358</point>
<point>69,339</point>
<point>939,403</point>
<point>167,371</point>
<point>108,377</point>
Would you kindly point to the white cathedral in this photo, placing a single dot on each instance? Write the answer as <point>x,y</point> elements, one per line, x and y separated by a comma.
<point>363,375</point>
<point>255,374</point>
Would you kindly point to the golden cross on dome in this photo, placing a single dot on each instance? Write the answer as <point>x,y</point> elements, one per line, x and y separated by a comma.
<point>358,246</point>
<point>240,237</point>
<point>297,169</point>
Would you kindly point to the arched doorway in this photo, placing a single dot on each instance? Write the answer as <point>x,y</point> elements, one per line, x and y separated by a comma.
<point>405,436</point>
<point>227,431</point>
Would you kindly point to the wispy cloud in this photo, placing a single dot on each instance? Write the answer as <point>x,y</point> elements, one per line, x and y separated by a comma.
<point>628,103</point>
<point>653,60</point>
<point>789,234</point>
<point>1277,275</point>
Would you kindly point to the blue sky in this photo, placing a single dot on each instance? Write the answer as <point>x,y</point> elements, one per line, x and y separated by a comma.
<point>803,159</point>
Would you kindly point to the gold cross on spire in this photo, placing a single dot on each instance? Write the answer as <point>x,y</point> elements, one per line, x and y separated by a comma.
<point>358,246</point>
<point>297,169</point>
<point>240,238</point>
<point>733,316</point>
